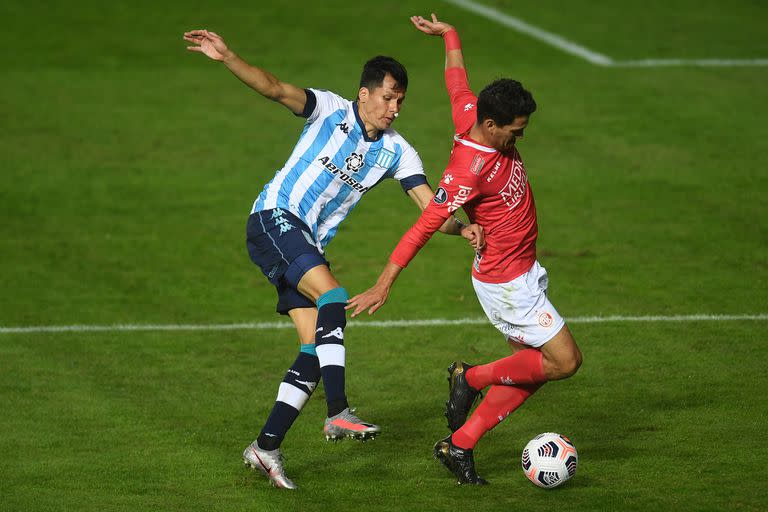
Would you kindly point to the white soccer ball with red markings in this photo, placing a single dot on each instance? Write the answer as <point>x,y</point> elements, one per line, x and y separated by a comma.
<point>549,460</point>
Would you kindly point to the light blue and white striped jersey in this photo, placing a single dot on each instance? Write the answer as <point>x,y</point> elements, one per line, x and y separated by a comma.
<point>334,163</point>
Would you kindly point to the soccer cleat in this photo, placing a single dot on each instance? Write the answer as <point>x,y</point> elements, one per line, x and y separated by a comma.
<point>460,462</point>
<point>346,424</point>
<point>270,463</point>
<point>461,395</point>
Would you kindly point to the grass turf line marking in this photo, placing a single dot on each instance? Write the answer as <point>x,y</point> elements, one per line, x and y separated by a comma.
<point>585,53</point>
<point>438,322</point>
<point>551,39</point>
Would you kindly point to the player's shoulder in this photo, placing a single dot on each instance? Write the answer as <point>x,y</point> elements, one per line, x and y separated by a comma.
<point>465,149</point>
<point>392,137</point>
<point>329,100</point>
<point>470,159</point>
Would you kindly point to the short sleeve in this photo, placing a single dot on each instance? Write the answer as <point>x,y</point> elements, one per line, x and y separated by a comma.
<point>409,163</point>
<point>324,103</point>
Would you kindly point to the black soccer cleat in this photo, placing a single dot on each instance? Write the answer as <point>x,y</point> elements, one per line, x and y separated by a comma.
<point>460,462</point>
<point>461,395</point>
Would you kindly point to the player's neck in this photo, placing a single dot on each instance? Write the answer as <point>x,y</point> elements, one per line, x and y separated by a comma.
<point>477,134</point>
<point>370,130</point>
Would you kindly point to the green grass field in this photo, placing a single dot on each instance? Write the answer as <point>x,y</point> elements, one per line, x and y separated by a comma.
<point>129,166</point>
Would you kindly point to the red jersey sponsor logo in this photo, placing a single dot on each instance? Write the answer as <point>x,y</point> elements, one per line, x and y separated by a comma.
<point>514,190</point>
<point>459,199</point>
<point>477,164</point>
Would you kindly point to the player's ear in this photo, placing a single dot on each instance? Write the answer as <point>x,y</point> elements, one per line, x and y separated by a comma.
<point>489,124</point>
<point>363,94</point>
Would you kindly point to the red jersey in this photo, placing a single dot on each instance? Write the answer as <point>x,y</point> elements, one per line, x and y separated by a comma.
<point>493,189</point>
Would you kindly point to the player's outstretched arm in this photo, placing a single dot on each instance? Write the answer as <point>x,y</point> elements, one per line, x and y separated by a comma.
<point>453,56</point>
<point>213,46</point>
<point>422,195</point>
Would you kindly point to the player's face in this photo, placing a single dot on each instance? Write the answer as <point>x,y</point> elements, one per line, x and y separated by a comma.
<point>379,107</point>
<point>504,137</point>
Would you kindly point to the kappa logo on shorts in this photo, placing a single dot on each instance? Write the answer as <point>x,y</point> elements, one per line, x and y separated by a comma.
<point>282,222</point>
<point>545,319</point>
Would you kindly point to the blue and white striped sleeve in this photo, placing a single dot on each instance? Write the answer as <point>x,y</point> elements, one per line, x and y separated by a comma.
<point>409,171</point>
<point>321,103</point>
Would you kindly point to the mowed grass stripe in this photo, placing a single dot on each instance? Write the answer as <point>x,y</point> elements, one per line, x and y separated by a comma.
<point>427,322</point>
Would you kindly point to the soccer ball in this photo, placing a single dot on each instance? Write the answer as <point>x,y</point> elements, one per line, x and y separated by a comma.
<point>549,459</point>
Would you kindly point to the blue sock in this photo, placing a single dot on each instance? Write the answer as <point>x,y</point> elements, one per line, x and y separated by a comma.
<point>297,386</point>
<point>329,341</point>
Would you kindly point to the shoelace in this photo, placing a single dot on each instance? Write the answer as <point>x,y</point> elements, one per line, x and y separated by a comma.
<point>351,415</point>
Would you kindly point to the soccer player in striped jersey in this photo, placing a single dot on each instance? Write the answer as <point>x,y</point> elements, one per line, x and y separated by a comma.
<point>485,176</point>
<point>345,149</point>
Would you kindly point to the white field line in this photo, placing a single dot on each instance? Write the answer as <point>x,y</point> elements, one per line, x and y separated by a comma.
<point>585,53</point>
<point>551,39</point>
<point>386,324</point>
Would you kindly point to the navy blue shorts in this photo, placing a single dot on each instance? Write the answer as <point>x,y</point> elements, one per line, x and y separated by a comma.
<point>282,246</point>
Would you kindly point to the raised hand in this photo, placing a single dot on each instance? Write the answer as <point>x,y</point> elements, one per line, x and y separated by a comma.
<point>432,28</point>
<point>208,43</point>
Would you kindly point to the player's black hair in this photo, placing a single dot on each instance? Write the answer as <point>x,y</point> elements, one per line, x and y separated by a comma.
<point>503,101</point>
<point>377,68</point>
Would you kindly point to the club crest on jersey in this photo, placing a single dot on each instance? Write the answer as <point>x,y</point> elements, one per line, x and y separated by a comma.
<point>354,162</point>
<point>441,196</point>
<point>460,198</point>
<point>477,164</point>
<point>385,158</point>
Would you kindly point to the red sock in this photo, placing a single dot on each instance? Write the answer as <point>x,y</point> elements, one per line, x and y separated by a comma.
<point>524,367</point>
<point>497,404</point>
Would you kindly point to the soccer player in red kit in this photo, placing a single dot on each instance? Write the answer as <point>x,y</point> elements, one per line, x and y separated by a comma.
<point>485,176</point>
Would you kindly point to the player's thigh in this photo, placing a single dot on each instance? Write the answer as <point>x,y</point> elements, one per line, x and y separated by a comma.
<point>305,320</point>
<point>282,246</point>
<point>317,281</point>
<point>562,356</point>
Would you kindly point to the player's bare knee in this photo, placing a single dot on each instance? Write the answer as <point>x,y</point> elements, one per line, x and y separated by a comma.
<point>562,367</point>
<point>573,364</point>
